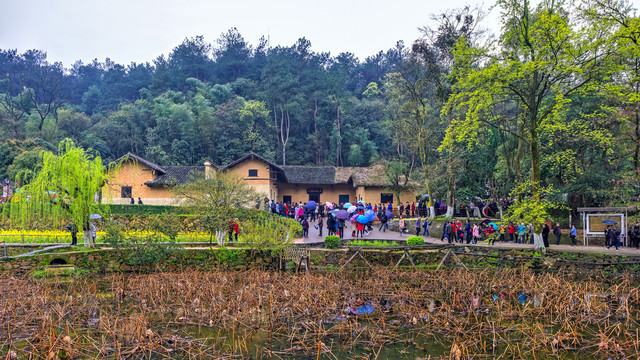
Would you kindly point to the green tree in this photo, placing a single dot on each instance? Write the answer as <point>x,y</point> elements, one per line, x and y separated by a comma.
<point>620,18</point>
<point>397,174</point>
<point>215,197</point>
<point>63,188</point>
<point>543,56</point>
<point>415,118</point>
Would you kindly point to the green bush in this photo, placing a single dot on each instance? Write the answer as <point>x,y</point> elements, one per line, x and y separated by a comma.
<point>116,209</point>
<point>415,240</point>
<point>331,242</point>
<point>375,243</point>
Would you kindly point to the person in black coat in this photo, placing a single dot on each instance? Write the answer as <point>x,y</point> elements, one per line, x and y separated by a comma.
<point>636,235</point>
<point>545,235</point>
<point>557,232</point>
<point>612,237</point>
<point>331,225</point>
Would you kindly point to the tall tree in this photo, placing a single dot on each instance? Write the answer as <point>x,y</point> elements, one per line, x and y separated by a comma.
<point>621,18</point>
<point>542,57</point>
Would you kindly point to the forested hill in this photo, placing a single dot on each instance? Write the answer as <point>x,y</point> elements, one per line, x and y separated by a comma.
<point>547,109</point>
<point>202,102</point>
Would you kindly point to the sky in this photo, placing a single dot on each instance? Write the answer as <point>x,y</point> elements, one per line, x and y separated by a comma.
<point>140,30</point>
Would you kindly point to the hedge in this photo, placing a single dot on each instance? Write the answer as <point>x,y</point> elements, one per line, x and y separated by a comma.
<point>331,242</point>
<point>415,240</point>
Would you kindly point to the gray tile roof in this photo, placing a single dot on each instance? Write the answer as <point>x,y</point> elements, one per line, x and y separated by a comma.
<point>175,175</point>
<point>320,175</point>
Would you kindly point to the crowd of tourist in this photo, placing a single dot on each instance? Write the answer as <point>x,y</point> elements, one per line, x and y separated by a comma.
<point>477,227</point>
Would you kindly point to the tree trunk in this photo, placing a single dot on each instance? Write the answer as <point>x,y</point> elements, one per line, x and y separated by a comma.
<point>450,188</point>
<point>316,143</point>
<point>538,243</point>
<point>636,153</point>
<point>432,209</point>
<point>339,149</point>
<point>516,164</point>
<point>284,154</point>
<point>88,239</point>
<point>450,211</point>
<point>220,237</point>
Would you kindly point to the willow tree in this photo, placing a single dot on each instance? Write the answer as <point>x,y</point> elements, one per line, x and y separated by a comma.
<point>64,188</point>
<point>543,56</point>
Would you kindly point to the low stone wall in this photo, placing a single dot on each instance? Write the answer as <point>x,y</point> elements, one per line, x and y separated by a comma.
<point>104,261</point>
<point>108,260</point>
<point>437,227</point>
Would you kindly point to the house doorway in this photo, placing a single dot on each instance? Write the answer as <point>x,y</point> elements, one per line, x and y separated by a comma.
<point>314,197</point>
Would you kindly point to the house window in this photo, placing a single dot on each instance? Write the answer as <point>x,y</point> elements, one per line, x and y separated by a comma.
<point>125,192</point>
<point>286,199</point>
<point>343,199</point>
<point>386,198</point>
<point>253,173</point>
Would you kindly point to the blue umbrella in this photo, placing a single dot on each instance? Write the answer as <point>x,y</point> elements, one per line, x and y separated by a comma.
<point>389,215</point>
<point>365,309</point>
<point>362,219</point>
<point>370,215</point>
<point>311,205</point>
<point>425,196</point>
<point>361,207</point>
<point>347,205</point>
<point>522,298</point>
<point>609,222</point>
<point>362,202</point>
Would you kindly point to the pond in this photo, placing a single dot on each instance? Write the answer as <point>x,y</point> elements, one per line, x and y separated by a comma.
<point>382,313</point>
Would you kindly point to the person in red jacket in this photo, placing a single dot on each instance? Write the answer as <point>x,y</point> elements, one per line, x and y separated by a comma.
<point>511,230</point>
<point>233,228</point>
<point>413,209</point>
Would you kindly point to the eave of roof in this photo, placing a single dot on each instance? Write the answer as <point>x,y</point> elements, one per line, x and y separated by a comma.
<point>249,156</point>
<point>141,160</point>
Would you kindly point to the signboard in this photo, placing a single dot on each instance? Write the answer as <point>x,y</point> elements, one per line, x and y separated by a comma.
<point>597,223</point>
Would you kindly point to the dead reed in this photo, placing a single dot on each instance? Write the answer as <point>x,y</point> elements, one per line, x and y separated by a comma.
<point>486,314</point>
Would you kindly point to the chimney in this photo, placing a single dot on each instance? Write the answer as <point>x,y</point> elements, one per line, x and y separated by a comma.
<point>208,170</point>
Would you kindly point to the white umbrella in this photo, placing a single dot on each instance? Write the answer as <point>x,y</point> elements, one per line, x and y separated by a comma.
<point>95,216</point>
<point>351,209</point>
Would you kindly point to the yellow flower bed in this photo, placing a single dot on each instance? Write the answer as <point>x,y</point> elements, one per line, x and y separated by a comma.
<point>52,236</point>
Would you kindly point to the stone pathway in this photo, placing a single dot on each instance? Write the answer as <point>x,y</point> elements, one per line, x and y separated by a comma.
<point>315,238</point>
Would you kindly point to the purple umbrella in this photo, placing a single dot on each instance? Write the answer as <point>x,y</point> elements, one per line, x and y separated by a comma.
<point>353,218</point>
<point>342,214</point>
<point>311,205</point>
<point>389,215</point>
